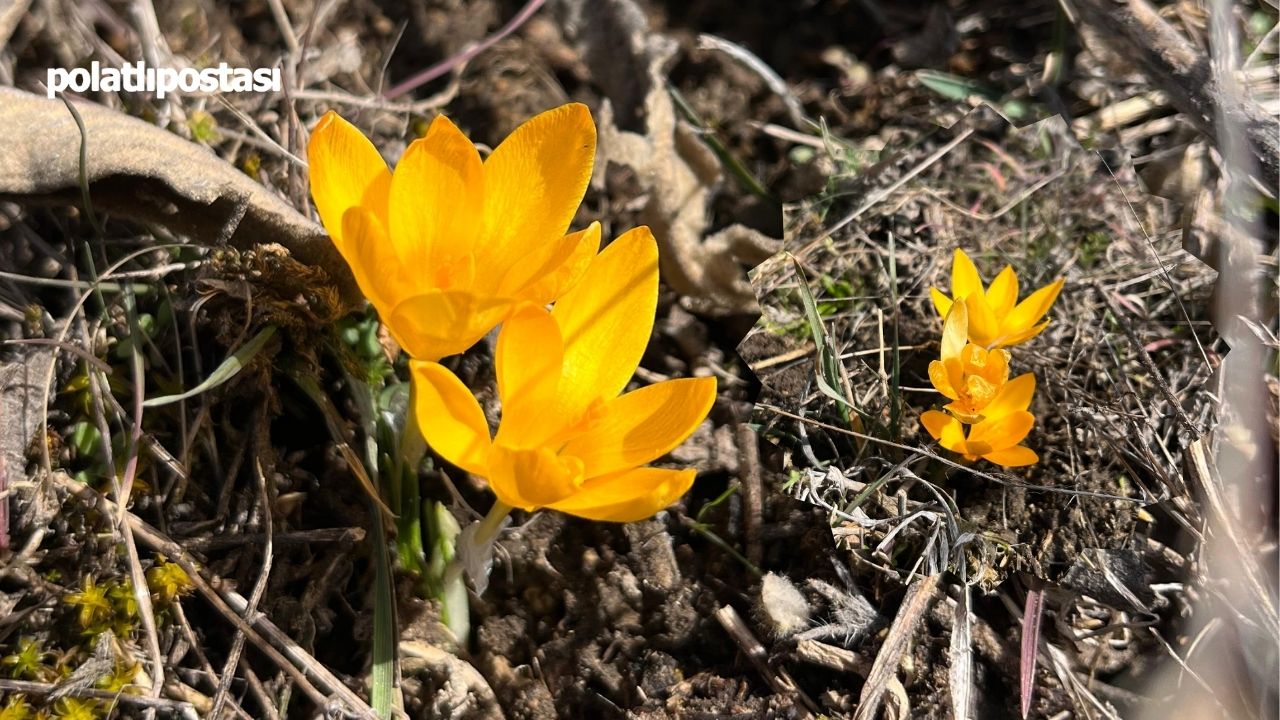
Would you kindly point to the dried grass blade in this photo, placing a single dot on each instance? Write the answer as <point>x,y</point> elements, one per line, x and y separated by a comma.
<point>1030,645</point>
<point>960,676</point>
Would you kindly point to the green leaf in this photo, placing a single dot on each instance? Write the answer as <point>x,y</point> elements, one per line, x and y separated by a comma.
<point>86,439</point>
<point>828,365</point>
<point>227,370</point>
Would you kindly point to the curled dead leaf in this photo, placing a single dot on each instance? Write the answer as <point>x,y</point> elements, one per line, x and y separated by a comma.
<point>639,128</point>
<point>145,174</point>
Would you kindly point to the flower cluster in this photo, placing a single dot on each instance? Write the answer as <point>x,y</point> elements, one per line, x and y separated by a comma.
<point>448,247</point>
<point>973,371</point>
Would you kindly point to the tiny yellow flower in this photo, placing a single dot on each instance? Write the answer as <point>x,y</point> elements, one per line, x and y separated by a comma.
<point>996,318</point>
<point>971,376</point>
<point>449,246</point>
<point>16,708</point>
<point>568,439</point>
<point>93,603</point>
<point>69,708</point>
<point>28,662</point>
<point>167,581</point>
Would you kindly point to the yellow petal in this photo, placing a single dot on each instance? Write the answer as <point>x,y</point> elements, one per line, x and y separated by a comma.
<point>534,182</point>
<point>1014,396</point>
<point>963,412</point>
<point>606,320</point>
<point>1016,456</point>
<point>941,302</point>
<point>449,417</point>
<point>965,280</point>
<point>984,328</point>
<point>939,377</point>
<point>955,331</point>
<point>945,429</point>
<point>1030,311</point>
<point>437,197</point>
<point>643,425</point>
<point>1001,432</point>
<point>346,170</point>
<point>1002,293</point>
<point>439,323</point>
<point>527,364</point>
<point>628,496</point>
<point>551,269</point>
<point>530,478</point>
<point>372,259</point>
<point>978,392</point>
<point>997,368</point>
<point>1020,337</point>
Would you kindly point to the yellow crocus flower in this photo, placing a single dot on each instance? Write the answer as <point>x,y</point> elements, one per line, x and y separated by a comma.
<point>969,375</point>
<point>1005,422</point>
<point>568,439</point>
<point>996,318</point>
<point>449,246</point>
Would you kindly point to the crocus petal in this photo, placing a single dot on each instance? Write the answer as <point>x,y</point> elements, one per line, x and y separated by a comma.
<point>527,364</point>
<point>530,478</point>
<point>961,411</point>
<point>955,330</point>
<point>945,429</point>
<point>1029,312</point>
<point>1018,338</point>
<point>1001,432</point>
<point>628,496</point>
<point>1016,456</point>
<point>606,320</point>
<point>997,368</point>
<point>1014,396</point>
<point>941,302</point>
<point>373,261</point>
<point>1002,293</point>
<point>642,425</point>
<point>965,280</point>
<point>437,197</point>
<point>941,382</point>
<point>534,182</point>
<point>439,323</point>
<point>346,171</point>
<point>984,327</point>
<point>449,417</point>
<point>552,268</point>
<point>978,391</point>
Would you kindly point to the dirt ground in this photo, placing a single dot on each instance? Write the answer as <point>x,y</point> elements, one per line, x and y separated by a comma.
<point>824,564</point>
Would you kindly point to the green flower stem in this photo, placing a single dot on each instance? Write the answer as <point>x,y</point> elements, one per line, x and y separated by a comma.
<point>491,524</point>
<point>407,494</point>
<point>412,445</point>
<point>429,525</point>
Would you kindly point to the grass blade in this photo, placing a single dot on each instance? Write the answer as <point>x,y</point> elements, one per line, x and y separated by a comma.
<point>828,365</point>
<point>227,370</point>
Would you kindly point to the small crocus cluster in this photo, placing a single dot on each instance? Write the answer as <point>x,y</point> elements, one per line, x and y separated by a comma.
<point>973,370</point>
<point>448,247</point>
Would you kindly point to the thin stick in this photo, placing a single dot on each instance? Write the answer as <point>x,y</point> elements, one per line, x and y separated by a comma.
<point>448,64</point>
<point>917,601</point>
<point>259,587</point>
<point>778,678</point>
<point>876,196</point>
<point>39,689</point>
